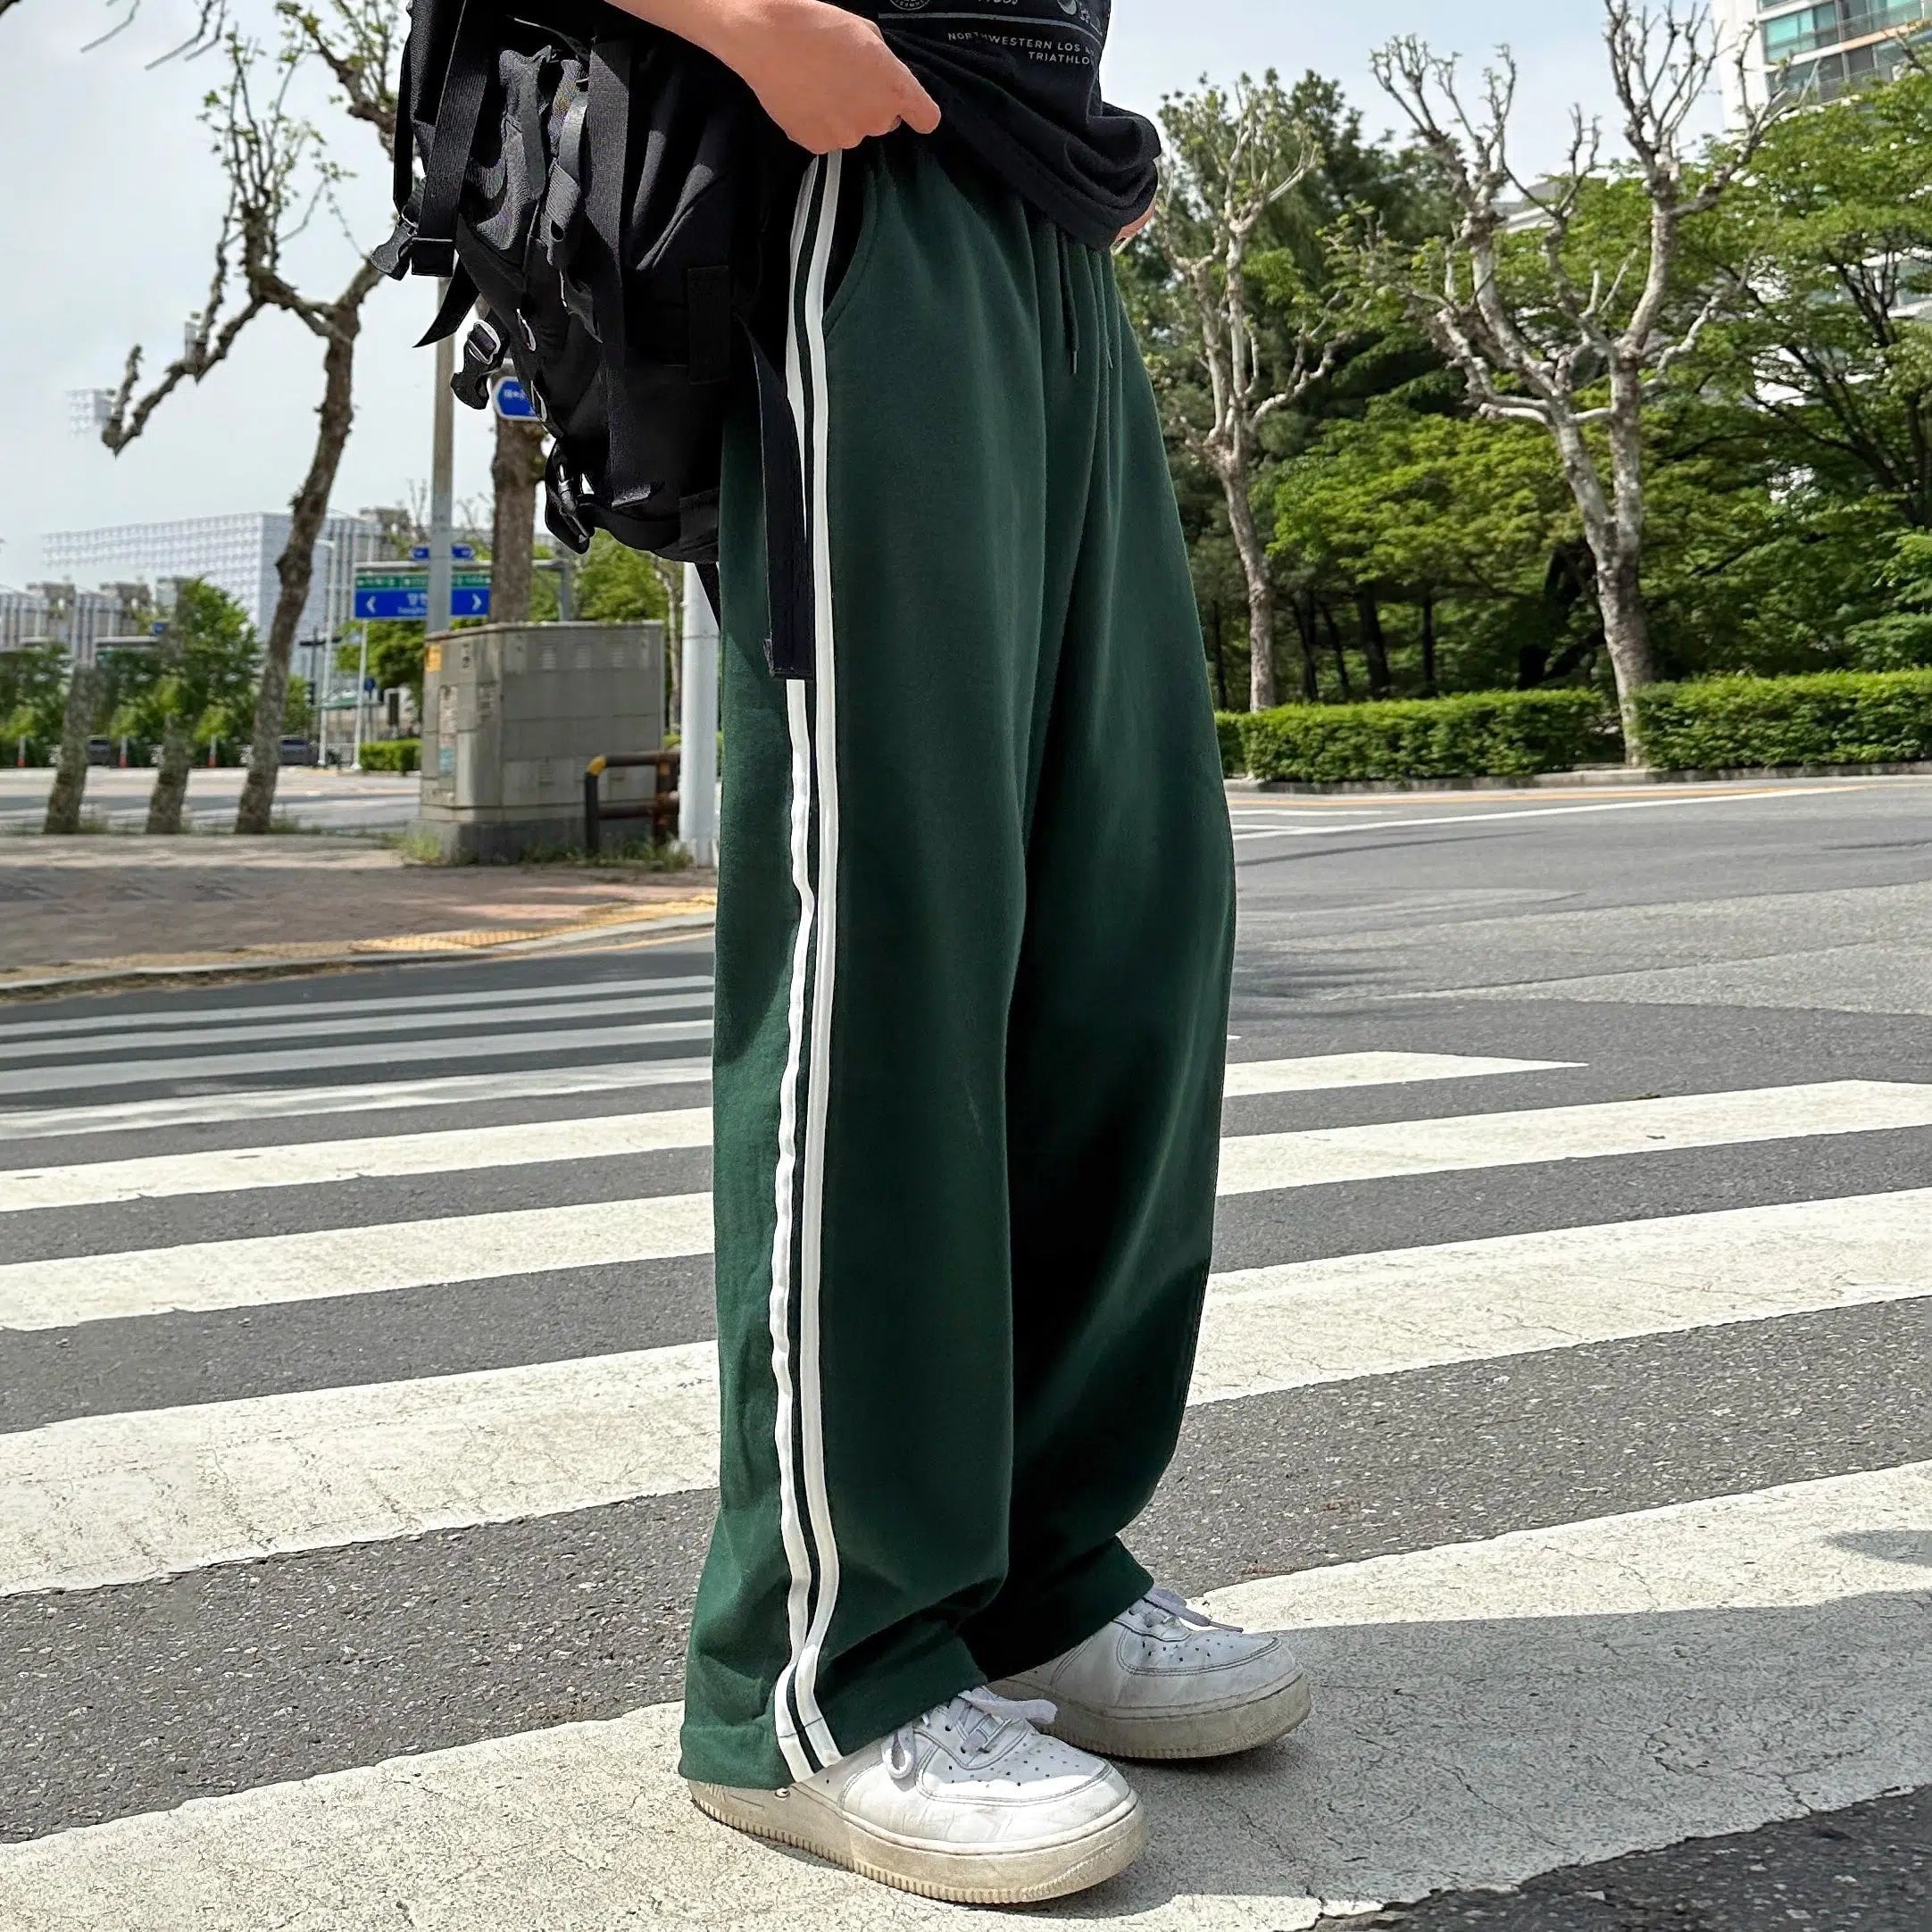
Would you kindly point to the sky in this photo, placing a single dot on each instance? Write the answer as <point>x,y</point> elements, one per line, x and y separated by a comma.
<point>114,201</point>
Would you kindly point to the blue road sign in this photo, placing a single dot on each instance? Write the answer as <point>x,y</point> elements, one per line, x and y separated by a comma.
<point>513,400</point>
<point>465,601</point>
<point>461,553</point>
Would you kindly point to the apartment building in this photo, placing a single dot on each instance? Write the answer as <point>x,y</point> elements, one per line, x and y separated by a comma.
<point>1825,47</point>
<point>236,554</point>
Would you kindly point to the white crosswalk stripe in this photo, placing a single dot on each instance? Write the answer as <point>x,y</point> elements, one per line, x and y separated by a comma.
<point>262,1269</point>
<point>306,1164</point>
<point>358,1026</point>
<point>70,1075</point>
<point>1646,1634</point>
<point>371,1259</point>
<point>107,1499</point>
<point>599,1137</point>
<point>370,1096</point>
<point>1325,1156</point>
<point>1728,1659</point>
<point>294,1014</point>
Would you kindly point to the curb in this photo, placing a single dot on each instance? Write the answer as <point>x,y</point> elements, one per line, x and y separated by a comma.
<point>1609,776</point>
<point>423,949</point>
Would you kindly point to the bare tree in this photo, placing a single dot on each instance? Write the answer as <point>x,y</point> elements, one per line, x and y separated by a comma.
<point>84,687</point>
<point>210,18</point>
<point>279,176</point>
<point>169,793</point>
<point>516,469</point>
<point>1233,160</point>
<point>1544,322</point>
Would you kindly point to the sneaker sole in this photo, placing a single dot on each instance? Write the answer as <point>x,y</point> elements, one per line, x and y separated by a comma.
<point>1214,1733</point>
<point>989,1877</point>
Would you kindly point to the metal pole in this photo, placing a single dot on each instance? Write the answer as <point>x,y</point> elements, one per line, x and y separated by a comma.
<point>362,693</point>
<point>325,683</point>
<point>442,485</point>
<point>697,775</point>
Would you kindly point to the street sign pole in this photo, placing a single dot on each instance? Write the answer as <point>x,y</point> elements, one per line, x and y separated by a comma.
<point>442,486</point>
<point>362,693</point>
<point>697,743</point>
<point>321,710</point>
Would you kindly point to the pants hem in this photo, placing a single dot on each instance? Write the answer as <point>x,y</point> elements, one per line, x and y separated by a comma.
<point>746,1756</point>
<point>1029,1627</point>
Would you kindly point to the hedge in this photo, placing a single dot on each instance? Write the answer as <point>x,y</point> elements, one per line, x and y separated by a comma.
<point>1234,753</point>
<point>1505,734</point>
<point>1832,718</point>
<point>391,755</point>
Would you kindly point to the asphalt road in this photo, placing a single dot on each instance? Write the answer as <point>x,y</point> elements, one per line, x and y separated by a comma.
<point>312,800</point>
<point>1567,1387</point>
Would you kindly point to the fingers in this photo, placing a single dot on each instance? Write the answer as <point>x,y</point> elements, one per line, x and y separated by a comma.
<point>916,107</point>
<point>1133,228</point>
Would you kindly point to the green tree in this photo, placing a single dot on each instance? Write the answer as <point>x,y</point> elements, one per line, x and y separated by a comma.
<point>1426,509</point>
<point>1900,639</point>
<point>1571,302</point>
<point>616,586</point>
<point>1826,254</point>
<point>33,689</point>
<point>197,686</point>
<point>1248,360</point>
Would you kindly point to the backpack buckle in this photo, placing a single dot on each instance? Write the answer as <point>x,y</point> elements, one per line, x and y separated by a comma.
<point>482,357</point>
<point>562,514</point>
<point>392,257</point>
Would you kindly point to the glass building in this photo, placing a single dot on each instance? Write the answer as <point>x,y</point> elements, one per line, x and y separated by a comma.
<point>236,554</point>
<point>1824,47</point>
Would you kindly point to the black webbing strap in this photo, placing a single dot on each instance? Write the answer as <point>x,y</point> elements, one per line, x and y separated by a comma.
<point>459,112</point>
<point>403,176</point>
<point>456,303</point>
<point>789,646</point>
<point>608,135</point>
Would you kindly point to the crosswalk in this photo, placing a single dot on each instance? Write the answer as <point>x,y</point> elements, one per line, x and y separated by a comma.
<point>1554,1666</point>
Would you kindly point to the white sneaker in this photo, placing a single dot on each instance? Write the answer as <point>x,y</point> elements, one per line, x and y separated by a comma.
<point>1164,1681</point>
<point>969,1804</point>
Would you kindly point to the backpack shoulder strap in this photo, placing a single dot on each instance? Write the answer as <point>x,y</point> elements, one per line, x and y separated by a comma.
<point>459,114</point>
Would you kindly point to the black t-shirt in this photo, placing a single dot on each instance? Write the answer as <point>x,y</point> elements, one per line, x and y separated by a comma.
<point>1018,84</point>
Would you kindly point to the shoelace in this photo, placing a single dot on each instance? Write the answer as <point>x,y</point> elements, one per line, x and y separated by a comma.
<point>976,1717</point>
<point>1170,1618</point>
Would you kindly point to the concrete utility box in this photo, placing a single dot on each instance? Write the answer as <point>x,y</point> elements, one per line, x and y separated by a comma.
<point>511,715</point>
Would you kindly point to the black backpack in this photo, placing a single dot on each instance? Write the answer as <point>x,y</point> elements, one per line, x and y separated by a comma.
<point>607,197</point>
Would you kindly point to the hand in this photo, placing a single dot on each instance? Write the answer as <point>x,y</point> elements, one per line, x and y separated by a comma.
<point>1133,228</point>
<point>826,76</point>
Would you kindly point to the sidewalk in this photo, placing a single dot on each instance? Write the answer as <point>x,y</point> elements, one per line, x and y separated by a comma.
<point>94,909</point>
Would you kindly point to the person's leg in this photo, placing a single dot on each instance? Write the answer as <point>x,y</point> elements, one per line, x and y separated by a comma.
<point>874,905</point>
<point>1119,1030</point>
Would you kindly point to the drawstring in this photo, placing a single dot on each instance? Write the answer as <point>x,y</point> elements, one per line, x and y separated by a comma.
<point>1069,322</point>
<point>1069,313</point>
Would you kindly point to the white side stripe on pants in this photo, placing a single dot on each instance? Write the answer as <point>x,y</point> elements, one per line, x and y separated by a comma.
<point>801,1440</point>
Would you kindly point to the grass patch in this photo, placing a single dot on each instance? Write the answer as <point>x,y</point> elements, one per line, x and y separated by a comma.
<point>616,855</point>
<point>642,854</point>
<point>415,844</point>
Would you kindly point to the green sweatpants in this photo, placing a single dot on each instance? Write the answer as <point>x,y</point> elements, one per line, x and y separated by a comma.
<point>974,934</point>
